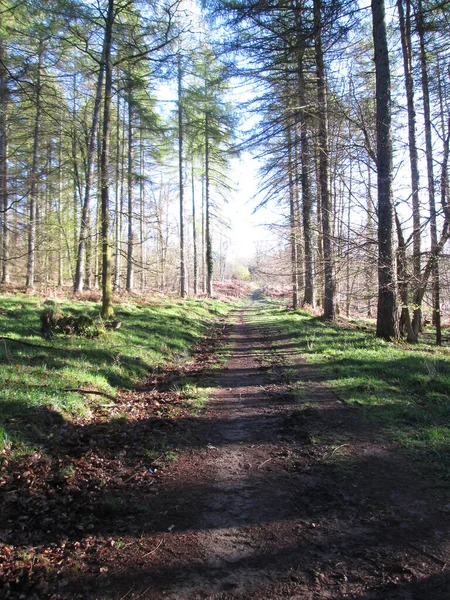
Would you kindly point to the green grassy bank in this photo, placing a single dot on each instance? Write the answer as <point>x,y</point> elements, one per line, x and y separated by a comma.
<point>404,390</point>
<point>37,373</point>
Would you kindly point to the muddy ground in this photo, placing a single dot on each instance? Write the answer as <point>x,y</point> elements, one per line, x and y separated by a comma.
<point>279,490</point>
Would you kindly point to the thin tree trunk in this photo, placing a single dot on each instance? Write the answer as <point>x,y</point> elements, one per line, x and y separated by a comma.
<point>347,273</point>
<point>208,240</point>
<point>203,237</point>
<point>369,270</point>
<point>292,223</point>
<point>4,100</point>
<point>430,174</point>
<point>85,213</point>
<point>320,279</point>
<point>60,221</point>
<point>298,221</point>
<point>130,237</point>
<point>107,306</point>
<point>329,313</point>
<point>386,314</point>
<point>32,205</point>
<point>194,232</point>
<point>142,206</point>
<point>118,201</point>
<point>76,193</point>
<point>183,290</point>
<point>403,280</point>
<point>307,198</point>
<point>405,33</point>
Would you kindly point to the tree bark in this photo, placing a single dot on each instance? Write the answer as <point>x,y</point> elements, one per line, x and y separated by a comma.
<point>208,240</point>
<point>4,208</point>
<point>322,111</point>
<point>130,237</point>
<point>85,213</point>
<point>307,204</point>
<point>120,158</point>
<point>405,34</point>
<point>142,207</point>
<point>194,232</point>
<point>107,305</point>
<point>430,174</point>
<point>387,309</point>
<point>183,290</point>
<point>292,222</point>
<point>33,179</point>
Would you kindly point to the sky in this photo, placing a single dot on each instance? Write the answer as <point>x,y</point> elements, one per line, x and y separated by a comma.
<point>248,228</point>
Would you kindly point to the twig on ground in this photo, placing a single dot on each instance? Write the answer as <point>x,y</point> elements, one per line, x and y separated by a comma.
<point>42,346</point>
<point>83,391</point>
<point>10,339</point>
<point>263,463</point>
<point>154,549</point>
<point>338,448</point>
<point>8,360</point>
<point>144,592</point>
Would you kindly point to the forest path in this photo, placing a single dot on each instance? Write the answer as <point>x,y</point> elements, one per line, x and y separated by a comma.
<point>285,492</point>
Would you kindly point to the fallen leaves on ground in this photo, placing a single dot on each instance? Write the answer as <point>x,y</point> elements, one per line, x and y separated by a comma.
<point>66,503</point>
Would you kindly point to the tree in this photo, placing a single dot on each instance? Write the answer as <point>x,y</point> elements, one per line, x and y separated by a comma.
<point>183,290</point>
<point>4,195</point>
<point>405,34</point>
<point>322,116</point>
<point>386,313</point>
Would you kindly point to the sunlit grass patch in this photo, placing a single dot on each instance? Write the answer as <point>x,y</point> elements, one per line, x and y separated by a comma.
<point>45,379</point>
<point>404,390</point>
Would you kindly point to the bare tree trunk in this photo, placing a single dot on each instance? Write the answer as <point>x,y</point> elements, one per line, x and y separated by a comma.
<point>85,213</point>
<point>60,221</point>
<point>194,232</point>
<point>320,277</point>
<point>76,188</point>
<point>403,285</point>
<point>118,201</point>
<point>370,228</point>
<point>107,306</point>
<point>292,222</point>
<point>347,273</point>
<point>430,174</point>
<point>307,198</point>
<point>4,208</point>
<point>208,240</point>
<point>142,207</point>
<point>298,221</point>
<point>203,237</point>
<point>329,313</point>
<point>387,309</point>
<point>130,237</point>
<point>183,290</point>
<point>405,33</point>
<point>33,184</point>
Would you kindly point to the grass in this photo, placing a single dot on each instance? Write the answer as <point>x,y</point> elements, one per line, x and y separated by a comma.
<point>403,389</point>
<point>35,379</point>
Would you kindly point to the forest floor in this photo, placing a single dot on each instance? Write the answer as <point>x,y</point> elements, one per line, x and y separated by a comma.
<point>275,489</point>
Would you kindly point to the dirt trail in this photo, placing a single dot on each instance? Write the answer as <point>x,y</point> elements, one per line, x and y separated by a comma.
<point>281,496</point>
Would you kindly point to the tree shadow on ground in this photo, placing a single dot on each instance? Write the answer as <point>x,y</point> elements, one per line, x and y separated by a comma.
<point>101,481</point>
<point>332,512</point>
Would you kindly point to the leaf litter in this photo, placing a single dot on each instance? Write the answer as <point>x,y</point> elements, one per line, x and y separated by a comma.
<point>57,503</point>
